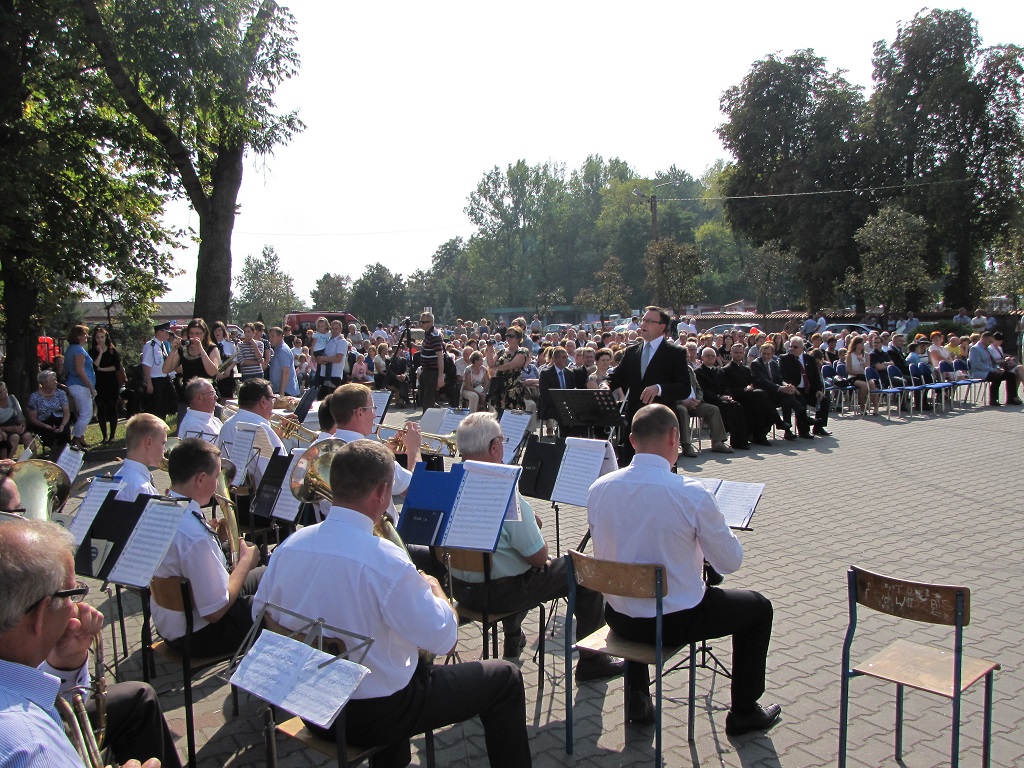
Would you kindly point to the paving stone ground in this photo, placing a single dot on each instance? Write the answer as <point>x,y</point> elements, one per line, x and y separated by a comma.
<point>937,499</point>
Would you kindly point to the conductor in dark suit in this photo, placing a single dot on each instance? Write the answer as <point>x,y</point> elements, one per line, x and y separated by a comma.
<point>802,372</point>
<point>652,372</point>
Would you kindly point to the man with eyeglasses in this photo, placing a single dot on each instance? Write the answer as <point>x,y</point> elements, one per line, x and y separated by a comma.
<point>255,406</point>
<point>45,635</point>
<point>432,375</point>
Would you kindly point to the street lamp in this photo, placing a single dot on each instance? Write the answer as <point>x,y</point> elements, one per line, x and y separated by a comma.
<point>654,205</point>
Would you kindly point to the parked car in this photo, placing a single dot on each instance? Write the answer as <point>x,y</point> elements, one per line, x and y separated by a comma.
<point>726,327</point>
<point>559,328</point>
<point>857,328</point>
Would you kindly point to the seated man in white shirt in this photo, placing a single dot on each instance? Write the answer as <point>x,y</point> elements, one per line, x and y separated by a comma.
<point>645,514</point>
<point>145,437</point>
<point>221,600</point>
<point>45,636</point>
<point>199,420</point>
<point>255,406</point>
<point>522,575</point>
<point>402,610</point>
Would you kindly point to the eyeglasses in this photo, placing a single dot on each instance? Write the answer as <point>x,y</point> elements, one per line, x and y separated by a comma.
<point>424,321</point>
<point>652,320</point>
<point>76,595</point>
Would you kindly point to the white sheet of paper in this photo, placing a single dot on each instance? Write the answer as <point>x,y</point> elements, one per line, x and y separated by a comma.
<point>90,506</point>
<point>296,677</point>
<point>430,421</point>
<point>241,451</point>
<point>580,467</point>
<point>513,427</point>
<point>25,456</point>
<point>738,501</point>
<point>148,543</point>
<point>380,404</point>
<point>287,506</point>
<point>481,505</point>
<point>711,483</point>
<point>71,462</point>
<point>450,421</point>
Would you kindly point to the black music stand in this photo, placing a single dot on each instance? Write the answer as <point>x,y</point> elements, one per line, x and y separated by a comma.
<point>581,411</point>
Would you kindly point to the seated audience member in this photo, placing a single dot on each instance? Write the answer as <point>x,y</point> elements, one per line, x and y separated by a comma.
<point>45,637</point>
<point>644,513</point>
<point>602,362</point>
<point>360,374</point>
<point>983,365</point>
<point>398,375</point>
<point>49,413</point>
<point>199,420</point>
<point>403,611</point>
<point>13,430</point>
<point>1008,363</point>
<point>475,381</point>
<point>380,366</point>
<point>145,436</point>
<point>522,575</point>
<point>856,363</point>
<point>738,381</point>
<point>558,376</point>
<point>716,393</point>
<point>221,600</point>
<point>803,372</point>
<point>768,377</point>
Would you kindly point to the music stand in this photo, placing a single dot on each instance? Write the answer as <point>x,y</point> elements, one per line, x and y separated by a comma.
<point>583,410</point>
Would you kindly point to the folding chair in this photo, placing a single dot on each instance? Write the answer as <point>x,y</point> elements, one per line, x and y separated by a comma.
<point>949,373</point>
<point>940,388</point>
<point>646,581</point>
<point>828,376</point>
<point>872,377</point>
<point>895,374</point>
<point>904,663</point>
<point>977,385</point>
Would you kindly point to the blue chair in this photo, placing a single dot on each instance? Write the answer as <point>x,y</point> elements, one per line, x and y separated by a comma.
<point>940,388</point>
<point>977,385</point>
<point>907,664</point>
<point>875,388</point>
<point>828,376</point>
<point>949,372</point>
<point>908,390</point>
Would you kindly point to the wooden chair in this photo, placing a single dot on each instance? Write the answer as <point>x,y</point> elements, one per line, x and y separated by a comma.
<point>638,580</point>
<point>175,594</point>
<point>908,664</point>
<point>480,562</point>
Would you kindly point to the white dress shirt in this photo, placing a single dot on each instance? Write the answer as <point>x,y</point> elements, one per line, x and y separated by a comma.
<point>227,438</point>
<point>137,479</point>
<point>365,584</point>
<point>645,514</point>
<point>200,424</point>
<point>402,475</point>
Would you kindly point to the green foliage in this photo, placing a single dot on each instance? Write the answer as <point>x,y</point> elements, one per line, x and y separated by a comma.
<point>673,273</point>
<point>378,295</point>
<point>263,288</point>
<point>331,292</point>
<point>609,293</point>
<point>1006,274</point>
<point>773,276</point>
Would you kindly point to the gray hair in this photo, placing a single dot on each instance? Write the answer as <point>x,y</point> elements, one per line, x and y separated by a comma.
<point>33,564</point>
<point>195,385</point>
<point>44,375</point>
<point>475,433</point>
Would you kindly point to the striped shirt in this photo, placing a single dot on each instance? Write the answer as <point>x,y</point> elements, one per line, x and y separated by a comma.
<point>31,733</point>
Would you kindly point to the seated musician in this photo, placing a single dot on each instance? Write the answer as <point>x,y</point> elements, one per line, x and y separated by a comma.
<point>328,427</point>
<point>145,436</point>
<point>221,600</point>
<point>385,598</point>
<point>199,420</point>
<point>45,636</point>
<point>255,406</point>
<point>645,514</point>
<point>522,574</point>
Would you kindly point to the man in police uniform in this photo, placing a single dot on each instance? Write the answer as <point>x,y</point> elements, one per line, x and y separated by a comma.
<point>157,382</point>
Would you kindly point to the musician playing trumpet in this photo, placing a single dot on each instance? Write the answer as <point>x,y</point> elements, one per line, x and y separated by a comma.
<point>255,406</point>
<point>45,636</point>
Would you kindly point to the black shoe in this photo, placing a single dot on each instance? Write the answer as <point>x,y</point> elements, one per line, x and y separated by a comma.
<point>821,432</point>
<point>640,708</point>
<point>599,667</point>
<point>712,577</point>
<point>1015,401</point>
<point>806,435</point>
<point>789,435</point>
<point>514,645</point>
<point>741,446</point>
<point>763,441</point>
<point>761,719</point>
<point>994,404</point>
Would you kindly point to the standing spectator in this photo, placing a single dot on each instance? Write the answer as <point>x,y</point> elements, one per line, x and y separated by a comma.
<point>432,374</point>
<point>157,382</point>
<point>282,366</point>
<point>979,321</point>
<point>962,317</point>
<point>225,383</point>
<point>81,380</point>
<point>107,363</point>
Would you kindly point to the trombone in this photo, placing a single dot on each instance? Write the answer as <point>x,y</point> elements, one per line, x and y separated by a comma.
<point>444,445</point>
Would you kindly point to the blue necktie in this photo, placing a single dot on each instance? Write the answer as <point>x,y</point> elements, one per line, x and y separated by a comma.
<point>561,377</point>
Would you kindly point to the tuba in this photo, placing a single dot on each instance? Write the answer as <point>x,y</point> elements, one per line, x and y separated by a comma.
<point>310,483</point>
<point>222,496</point>
<point>43,486</point>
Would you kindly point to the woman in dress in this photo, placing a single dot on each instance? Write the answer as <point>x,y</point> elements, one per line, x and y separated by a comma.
<point>856,361</point>
<point>510,392</point>
<point>49,413</point>
<point>80,376</point>
<point>107,362</point>
<point>194,356</point>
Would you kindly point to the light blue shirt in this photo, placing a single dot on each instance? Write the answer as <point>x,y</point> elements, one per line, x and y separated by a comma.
<point>31,733</point>
<point>77,350</point>
<point>283,359</point>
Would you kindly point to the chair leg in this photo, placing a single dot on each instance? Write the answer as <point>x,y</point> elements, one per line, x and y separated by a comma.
<point>899,721</point>
<point>543,632</point>
<point>954,749</point>
<point>693,692</point>
<point>986,743</point>
<point>844,705</point>
<point>190,717</point>
<point>428,739</point>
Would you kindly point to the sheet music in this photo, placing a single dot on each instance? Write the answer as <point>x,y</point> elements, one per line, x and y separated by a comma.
<point>513,427</point>
<point>430,421</point>
<point>450,421</point>
<point>287,506</point>
<point>580,467</point>
<point>240,451</point>
<point>481,505</point>
<point>380,404</point>
<point>71,461</point>
<point>312,420</point>
<point>298,678</point>
<point>25,456</point>
<point>148,543</point>
<point>90,505</point>
<point>711,483</point>
<point>737,501</point>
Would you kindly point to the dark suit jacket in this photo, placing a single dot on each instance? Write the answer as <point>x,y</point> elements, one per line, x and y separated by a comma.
<point>666,367</point>
<point>789,366</point>
<point>711,384</point>
<point>899,360</point>
<point>548,381</point>
<point>767,377</point>
<point>735,379</point>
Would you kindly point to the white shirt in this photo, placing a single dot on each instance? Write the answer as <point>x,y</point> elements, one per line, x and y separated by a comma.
<point>200,424</point>
<point>196,554</point>
<point>384,596</point>
<point>227,437</point>
<point>153,356</point>
<point>402,475</point>
<point>645,514</point>
<point>137,480</point>
<point>337,345</point>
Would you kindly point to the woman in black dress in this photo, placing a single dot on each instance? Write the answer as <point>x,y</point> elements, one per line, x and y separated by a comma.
<point>107,361</point>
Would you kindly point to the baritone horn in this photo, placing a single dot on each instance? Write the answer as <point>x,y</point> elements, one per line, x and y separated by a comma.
<point>87,743</point>
<point>43,486</point>
<point>227,507</point>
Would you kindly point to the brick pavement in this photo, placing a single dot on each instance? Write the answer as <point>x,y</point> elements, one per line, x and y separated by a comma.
<point>931,500</point>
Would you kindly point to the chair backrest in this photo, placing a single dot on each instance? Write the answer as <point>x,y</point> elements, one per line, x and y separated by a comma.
<point>827,371</point>
<point>871,374</point>
<point>467,560</point>
<point>893,372</point>
<point>841,370</point>
<point>622,579</point>
<point>946,369</point>
<point>959,365</point>
<point>929,603</point>
<point>166,592</point>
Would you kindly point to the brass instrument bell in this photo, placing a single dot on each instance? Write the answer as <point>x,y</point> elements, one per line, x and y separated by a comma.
<point>43,486</point>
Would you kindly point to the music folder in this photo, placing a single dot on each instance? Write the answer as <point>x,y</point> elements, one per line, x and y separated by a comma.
<point>272,485</point>
<point>113,525</point>
<point>462,509</point>
<point>541,461</point>
<point>303,406</point>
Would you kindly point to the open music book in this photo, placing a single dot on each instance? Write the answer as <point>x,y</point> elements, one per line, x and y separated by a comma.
<point>98,491</point>
<point>583,461</point>
<point>737,501</point>
<point>149,542</point>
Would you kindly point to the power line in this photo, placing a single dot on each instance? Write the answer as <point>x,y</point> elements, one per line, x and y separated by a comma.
<point>817,192</point>
<point>344,234</point>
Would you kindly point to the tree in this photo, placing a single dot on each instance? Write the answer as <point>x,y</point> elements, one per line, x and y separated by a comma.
<point>331,292</point>
<point>77,198</point>
<point>1006,262</point>
<point>378,295</point>
<point>264,289</point>
<point>609,293</point>
<point>199,77</point>
<point>771,273</point>
<point>673,273</point>
<point>892,265</point>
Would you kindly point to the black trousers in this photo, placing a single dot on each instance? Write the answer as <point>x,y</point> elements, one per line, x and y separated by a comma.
<point>761,414</point>
<point>226,635</point>
<point>156,403</point>
<point>745,615</point>
<point>136,728</point>
<point>428,389</point>
<point>442,695</point>
<point>1011,385</point>
<point>735,419</point>
<point>528,590</point>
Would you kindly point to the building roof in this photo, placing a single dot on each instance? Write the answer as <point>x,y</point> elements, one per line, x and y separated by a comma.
<point>95,311</point>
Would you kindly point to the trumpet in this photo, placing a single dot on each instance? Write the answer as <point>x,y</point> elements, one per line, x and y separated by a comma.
<point>43,486</point>
<point>444,445</point>
<point>87,743</point>
<point>288,428</point>
<point>287,402</point>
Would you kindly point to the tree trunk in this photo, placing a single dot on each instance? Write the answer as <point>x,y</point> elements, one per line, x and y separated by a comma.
<point>213,271</point>
<point>22,335</point>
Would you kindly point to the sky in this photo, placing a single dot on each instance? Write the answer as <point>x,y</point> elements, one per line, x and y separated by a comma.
<point>407,105</point>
